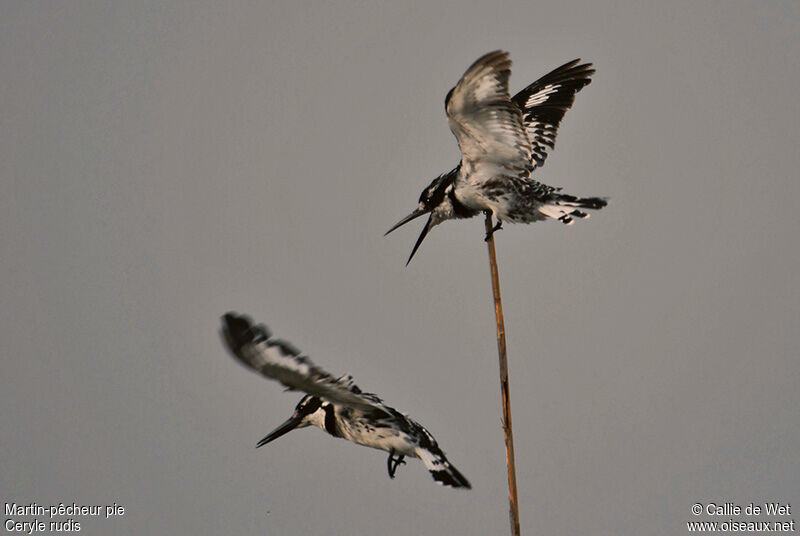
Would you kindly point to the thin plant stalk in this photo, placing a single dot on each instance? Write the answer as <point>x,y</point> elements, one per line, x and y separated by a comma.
<point>501,351</point>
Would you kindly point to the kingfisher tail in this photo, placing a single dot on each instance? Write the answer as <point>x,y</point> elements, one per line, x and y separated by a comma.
<point>441,470</point>
<point>565,208</point>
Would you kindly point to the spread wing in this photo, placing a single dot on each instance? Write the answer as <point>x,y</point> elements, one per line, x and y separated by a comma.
<point>255,348</point>
<point>487,125</point>
<point>544,103</point>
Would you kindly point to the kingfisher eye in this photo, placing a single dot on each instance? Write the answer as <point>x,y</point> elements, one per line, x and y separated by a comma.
<point>309,406</point>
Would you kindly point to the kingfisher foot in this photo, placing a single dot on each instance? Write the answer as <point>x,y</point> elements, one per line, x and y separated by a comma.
<point>392,463</point>
<point>497,227</point>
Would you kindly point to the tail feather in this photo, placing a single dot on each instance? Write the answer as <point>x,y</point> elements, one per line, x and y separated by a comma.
<point>441,470</point>
<point>564,208</point>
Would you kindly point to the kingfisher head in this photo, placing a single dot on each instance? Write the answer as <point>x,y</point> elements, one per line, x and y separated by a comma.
<point>309,411</point>
<point>436,199</point>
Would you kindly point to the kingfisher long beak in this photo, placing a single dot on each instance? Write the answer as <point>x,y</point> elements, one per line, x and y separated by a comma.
<point>416,214</point>
<point>420,239</point>
<point>292,423</point>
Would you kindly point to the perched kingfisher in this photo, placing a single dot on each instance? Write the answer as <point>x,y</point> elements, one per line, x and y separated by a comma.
<point>336,405</point>
<point>502,141</point>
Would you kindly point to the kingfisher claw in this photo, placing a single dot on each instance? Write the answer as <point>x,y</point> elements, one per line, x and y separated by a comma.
<point>392,463</point>
<point>497,227</point>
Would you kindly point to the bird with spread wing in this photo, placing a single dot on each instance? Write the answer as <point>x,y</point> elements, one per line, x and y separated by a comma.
<point>336,405</point>
<point>502,141</point>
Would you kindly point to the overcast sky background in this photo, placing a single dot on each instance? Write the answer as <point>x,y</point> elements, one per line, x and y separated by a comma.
<point>163,163</point>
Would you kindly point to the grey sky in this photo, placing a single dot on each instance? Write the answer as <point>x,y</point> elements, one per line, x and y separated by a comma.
<point>162,164</point>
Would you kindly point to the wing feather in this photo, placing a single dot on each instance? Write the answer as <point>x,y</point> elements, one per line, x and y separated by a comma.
<point>544,103</point>
<point>487,125</point>
<point>255,348</point>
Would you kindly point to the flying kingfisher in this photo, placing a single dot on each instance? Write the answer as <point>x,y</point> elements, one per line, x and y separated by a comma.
<point>502,141</point>
<point>336,405</point>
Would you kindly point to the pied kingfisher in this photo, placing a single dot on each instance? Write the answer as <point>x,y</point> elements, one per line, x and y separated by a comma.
<point>502,140</point>
<point>336,405</point>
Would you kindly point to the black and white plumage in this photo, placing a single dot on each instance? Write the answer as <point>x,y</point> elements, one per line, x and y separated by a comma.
<point>502,141</point>
<point>336,405</point>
